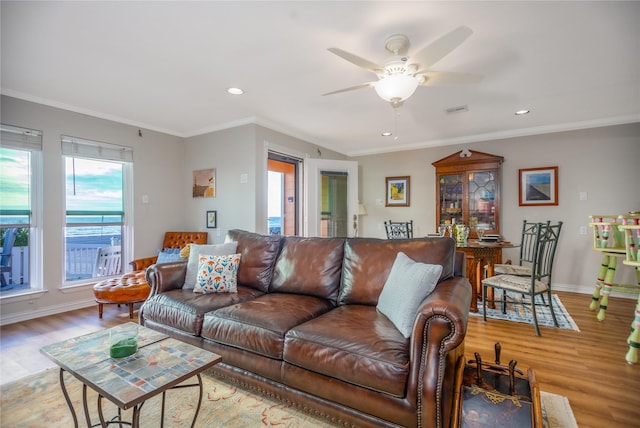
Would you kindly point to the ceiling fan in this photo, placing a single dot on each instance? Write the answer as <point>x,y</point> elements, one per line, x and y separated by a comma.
<point>400,75</point>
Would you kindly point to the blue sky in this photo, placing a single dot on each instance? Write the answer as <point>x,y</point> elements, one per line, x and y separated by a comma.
<point>14,179</point>
<point>98,185</point>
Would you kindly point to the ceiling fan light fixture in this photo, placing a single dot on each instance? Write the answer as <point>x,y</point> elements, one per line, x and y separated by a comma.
<point>396,87</point>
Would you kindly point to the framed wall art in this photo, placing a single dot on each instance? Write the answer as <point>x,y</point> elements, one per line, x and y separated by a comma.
<point>538,186</point>
<point>212,219</point>
<point>204,183</point>
<point>397,194</point>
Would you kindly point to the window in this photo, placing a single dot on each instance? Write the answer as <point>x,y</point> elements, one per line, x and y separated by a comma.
<point>96,233</point>
<point>20,160</point>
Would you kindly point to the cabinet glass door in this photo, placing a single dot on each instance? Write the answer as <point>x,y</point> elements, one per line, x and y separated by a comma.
<point>481,189</point>
<point>451,194</point>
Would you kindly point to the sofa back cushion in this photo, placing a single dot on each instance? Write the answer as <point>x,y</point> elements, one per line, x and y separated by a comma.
<point>258,256</point>
<point>368,261</point>
<point>309,266</point>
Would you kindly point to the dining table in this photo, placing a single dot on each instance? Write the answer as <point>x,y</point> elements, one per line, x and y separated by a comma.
<point>484,255</point>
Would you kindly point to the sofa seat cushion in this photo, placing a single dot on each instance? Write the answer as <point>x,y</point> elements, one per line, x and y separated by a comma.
<point>184,310</point>
<point>260,325</point>
<point>355,344</point>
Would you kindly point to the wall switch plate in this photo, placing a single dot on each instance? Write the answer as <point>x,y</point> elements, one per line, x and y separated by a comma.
<point>379,202</point>
<point>583,230</point>
<point>145,199</point>
<point>244,178</point>
<point>582,196</point>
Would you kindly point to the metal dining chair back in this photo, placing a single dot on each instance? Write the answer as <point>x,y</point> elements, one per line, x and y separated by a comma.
<point>527,252</point>
<point>399,229</point>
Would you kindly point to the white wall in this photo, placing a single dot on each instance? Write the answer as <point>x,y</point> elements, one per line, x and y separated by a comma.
<point>163,166</point>
<point>234,153</point>
<point>601,161</point>
<point>158,170</point>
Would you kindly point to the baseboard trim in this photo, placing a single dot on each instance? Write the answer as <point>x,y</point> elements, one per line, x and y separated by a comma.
<point>43,312</point>
<point>588,289</point>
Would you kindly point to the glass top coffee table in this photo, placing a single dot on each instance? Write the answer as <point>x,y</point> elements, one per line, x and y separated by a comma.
<point>160,363</point>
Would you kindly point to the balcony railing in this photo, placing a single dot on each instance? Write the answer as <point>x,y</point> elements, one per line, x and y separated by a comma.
<point>80,262</point>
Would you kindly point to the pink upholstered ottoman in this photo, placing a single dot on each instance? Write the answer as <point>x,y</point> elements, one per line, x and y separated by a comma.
<point>127,289</point>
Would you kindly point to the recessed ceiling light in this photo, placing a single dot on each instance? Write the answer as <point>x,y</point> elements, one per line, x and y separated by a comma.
<point>521,112</point>
<point>235,91</point>
<point>387,134</point>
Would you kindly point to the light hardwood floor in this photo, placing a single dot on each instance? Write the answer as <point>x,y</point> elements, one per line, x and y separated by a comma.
<point>587,366</point>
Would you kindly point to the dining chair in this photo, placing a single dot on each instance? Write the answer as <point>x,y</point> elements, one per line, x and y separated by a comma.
<point>527,253</point>
<point>5,257</point>
<point>399,229</point>
<point>539,282</point>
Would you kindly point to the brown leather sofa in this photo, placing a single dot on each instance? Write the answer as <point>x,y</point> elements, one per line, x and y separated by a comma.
<point>303,327</point>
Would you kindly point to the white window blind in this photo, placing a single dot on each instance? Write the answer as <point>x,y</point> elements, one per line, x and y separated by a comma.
<point>14,137</point>
<point>72,146</point>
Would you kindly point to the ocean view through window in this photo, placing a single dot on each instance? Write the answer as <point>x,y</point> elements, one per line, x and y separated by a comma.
<point>95,213</point>
<point>20,207</point>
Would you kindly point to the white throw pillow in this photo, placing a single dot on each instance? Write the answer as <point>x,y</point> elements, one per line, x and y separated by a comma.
<point>209,250</point>
<point>408,284</point>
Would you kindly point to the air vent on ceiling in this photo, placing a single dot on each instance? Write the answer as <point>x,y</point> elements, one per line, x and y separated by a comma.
<point>458,109</point>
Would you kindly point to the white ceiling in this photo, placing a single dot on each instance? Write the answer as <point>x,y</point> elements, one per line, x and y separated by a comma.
<point>166,66</point>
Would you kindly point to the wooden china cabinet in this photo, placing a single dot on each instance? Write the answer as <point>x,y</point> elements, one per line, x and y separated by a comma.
<point>468,191</point>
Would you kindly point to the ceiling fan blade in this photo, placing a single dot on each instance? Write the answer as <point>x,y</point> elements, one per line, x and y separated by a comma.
<point>355,59</point>
<point>433,78</point>
<point>362,85</point>
<point>437,50</point>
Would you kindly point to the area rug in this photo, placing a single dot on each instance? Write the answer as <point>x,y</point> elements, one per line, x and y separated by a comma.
<point>519,312</point>
<point>37,401</point>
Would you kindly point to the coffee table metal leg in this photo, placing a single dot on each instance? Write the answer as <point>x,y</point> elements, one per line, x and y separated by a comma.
<point>67,399</point>
<point>199,400</point>
<point>135,420</point>
<point>200,394</point>
<point>85,405</point>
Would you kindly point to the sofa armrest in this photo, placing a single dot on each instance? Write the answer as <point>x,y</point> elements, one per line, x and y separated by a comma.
<point>437,341</point>
<point>166,276</point>
<point>140,264</point>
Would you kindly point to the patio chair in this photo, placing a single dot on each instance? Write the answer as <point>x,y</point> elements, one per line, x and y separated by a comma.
<point>5,257</point>
<point>108,261</point>
<point>539,282</point>
<point>399,229</point>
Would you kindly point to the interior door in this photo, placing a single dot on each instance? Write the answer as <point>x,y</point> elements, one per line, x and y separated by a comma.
<point>282,204</point>
<point>331,197</point>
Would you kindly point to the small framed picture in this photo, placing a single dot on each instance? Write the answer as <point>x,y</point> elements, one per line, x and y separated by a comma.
<point>538,186</point>
<point>204,183</point>
<point>397,191</point>
<point>212,219</point>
